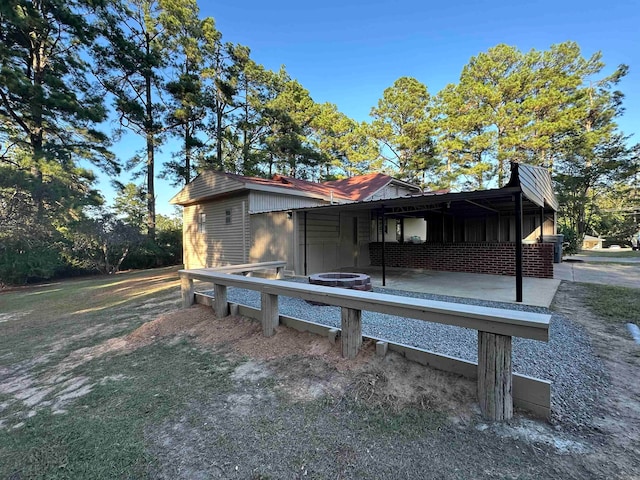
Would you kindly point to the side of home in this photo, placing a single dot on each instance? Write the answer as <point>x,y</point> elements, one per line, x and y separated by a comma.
<point>358,222</point>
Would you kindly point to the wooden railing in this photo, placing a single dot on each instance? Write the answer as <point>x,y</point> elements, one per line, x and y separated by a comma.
<point>495,326</point>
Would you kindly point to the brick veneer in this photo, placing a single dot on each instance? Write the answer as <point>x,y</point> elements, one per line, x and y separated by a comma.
<point>492,258</point>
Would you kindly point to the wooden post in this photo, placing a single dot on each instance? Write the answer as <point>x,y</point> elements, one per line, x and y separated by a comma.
<point>220,305</point>
<point>351,332</point>
<point>270,314</point>
<point>186,285</point>
<point>494,376</point>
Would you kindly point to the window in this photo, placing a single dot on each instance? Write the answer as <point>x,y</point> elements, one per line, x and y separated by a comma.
<point>202,223</point>
<point>227,217</point>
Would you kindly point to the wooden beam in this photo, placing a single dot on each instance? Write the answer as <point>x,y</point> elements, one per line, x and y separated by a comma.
<point>495,384</point>
<point>530,393</point>
<point>351,332</point>
<point>514,323</point>
<point>187,290</point>
<point>270,315</point>
<point>220,304</point>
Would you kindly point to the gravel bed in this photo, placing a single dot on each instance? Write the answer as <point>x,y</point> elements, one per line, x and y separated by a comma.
<point>567,360</point>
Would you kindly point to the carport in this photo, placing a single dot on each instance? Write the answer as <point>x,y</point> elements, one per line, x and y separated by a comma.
<point>499,231</point>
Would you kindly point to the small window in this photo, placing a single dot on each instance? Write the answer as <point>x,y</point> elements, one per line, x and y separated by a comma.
<point>202,223</point>
<point>227,217</point>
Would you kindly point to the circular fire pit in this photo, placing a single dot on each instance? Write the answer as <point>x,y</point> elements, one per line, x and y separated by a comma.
<point>354,281</point>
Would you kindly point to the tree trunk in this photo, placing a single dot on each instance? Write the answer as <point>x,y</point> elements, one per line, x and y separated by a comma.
<point>149,127</point>
<point>187,153</point>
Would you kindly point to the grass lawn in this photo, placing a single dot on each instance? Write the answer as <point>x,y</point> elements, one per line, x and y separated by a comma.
<point>612,303</point>
<point>613,253</point>
<point>108,378</point>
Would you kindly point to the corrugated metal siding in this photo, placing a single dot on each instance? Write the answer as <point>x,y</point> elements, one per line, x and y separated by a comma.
<point>260,202</point>
<point>207,184</point>
<point>222,244</point>
<point>272,238</point>
<point>536,185</point>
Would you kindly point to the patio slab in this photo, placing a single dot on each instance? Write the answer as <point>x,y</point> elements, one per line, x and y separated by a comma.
<point>536,291</point>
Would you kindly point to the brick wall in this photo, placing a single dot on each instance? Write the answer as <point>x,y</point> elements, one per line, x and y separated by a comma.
<point>491,258</point>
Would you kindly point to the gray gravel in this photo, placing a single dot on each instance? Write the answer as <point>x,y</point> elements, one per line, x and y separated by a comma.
<point>567,360</point>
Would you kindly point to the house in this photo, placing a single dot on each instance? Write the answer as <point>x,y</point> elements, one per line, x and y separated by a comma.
<point>370,220</point>
<point>231,219</point>
<point>591,243</point>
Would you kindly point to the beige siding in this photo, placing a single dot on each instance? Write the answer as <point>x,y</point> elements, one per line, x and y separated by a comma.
<point>207,184</point>
<point>222,244</point>
<point>272,238</point>
<point>332,242</point>
<point>260,202</point>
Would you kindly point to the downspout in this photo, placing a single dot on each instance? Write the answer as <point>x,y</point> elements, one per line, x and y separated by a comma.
<point>518,208</point>
<point>305,243</point>
<point>541,223</point>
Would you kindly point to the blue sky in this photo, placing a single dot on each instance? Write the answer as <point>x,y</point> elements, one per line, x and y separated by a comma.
<point>347,52</point>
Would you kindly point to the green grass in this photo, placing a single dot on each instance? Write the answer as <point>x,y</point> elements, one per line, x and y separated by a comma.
<point>45,313</point>
<point>104,435</point>
<point>610,253</point>
<point>613,304</point>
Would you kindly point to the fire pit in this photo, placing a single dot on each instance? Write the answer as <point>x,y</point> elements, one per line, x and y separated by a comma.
<point>354,281</point>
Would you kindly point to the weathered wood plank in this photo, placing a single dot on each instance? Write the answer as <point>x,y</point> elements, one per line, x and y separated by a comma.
<point>488,319</point>
<point>270,316</point>
<point>220,304</point>
<point>351,332</point>
<point>494,376</point>
<point>530,393</point>
<point>187,290</point>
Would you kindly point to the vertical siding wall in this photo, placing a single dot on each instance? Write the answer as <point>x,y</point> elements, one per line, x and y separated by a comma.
<point>272,238</point>
<point>492,228</point>
<point>332,242</point>
<point>486,257</point>
<point>222,243</point>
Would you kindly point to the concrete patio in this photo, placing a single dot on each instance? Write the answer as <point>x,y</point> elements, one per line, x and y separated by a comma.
<point>536,291</point>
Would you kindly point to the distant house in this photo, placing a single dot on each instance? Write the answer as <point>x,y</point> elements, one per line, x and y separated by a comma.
<point>592,243</point>
<point>359,221</point>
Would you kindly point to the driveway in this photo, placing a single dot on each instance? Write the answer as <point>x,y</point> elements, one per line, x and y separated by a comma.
<point>625,273</point>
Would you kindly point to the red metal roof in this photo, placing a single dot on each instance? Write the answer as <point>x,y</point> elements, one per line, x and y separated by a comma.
<point>362,186</point>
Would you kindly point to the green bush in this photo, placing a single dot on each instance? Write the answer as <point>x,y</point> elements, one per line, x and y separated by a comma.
<point>21,263</point>
<point>570,240</point>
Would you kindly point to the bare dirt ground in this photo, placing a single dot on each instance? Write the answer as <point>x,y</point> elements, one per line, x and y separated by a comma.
<point>290,406</point>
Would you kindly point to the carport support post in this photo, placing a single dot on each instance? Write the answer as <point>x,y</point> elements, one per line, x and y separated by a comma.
<point>518,246</point>
<point>270,315</point>
<point>384,269</point>
<point>186,286</point>
<point>351,325</point>
<point>220,305</point>
<point>541,224</point>
<point>495,384</point>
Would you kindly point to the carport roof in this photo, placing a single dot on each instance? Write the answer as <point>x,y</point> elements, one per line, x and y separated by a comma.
<point>534,183</point>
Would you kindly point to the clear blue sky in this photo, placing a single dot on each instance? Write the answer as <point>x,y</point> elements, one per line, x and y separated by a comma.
<point>347,52</point>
